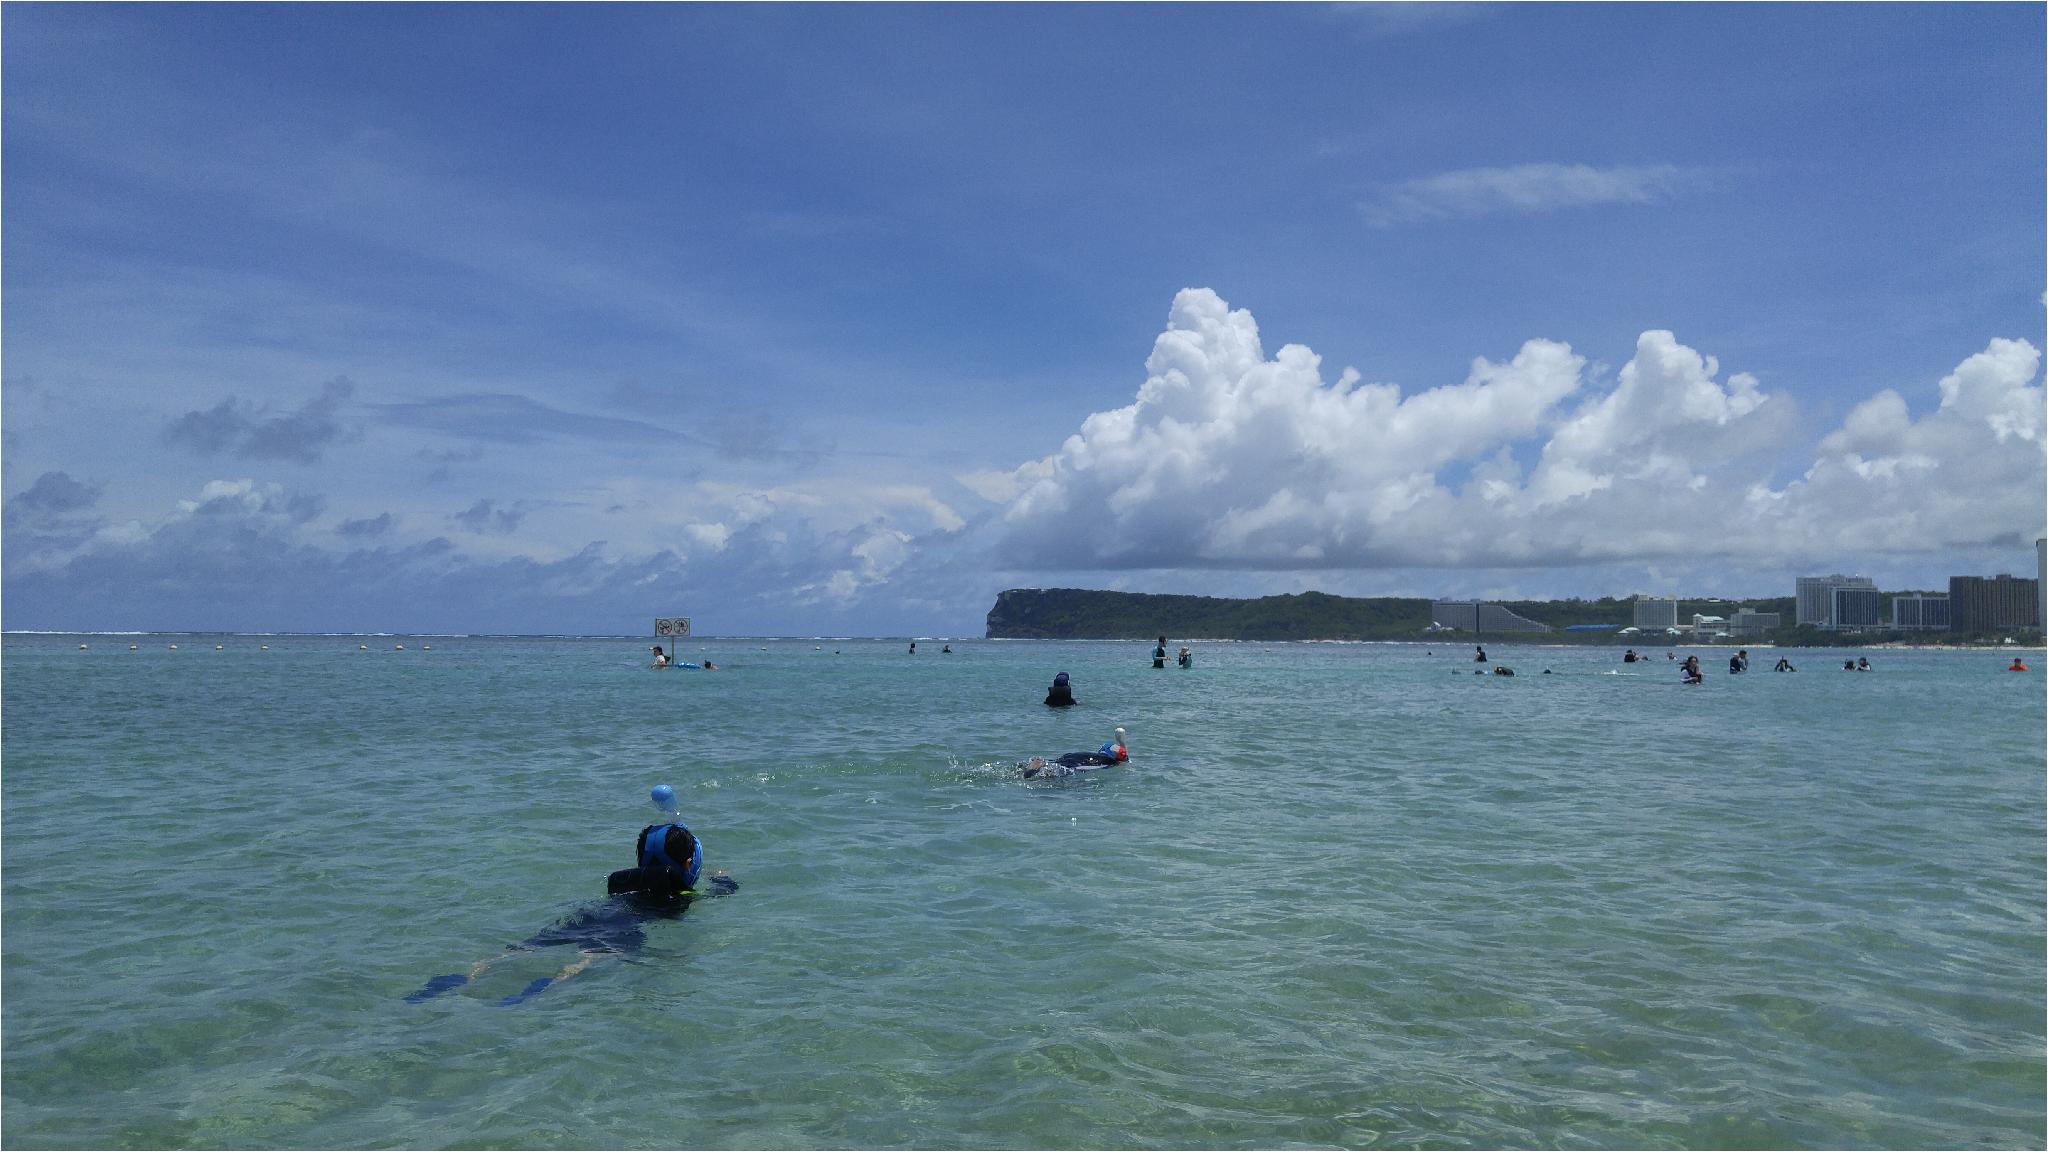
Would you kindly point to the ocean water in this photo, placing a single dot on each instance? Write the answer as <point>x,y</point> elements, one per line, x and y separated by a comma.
<point>1342,896</point>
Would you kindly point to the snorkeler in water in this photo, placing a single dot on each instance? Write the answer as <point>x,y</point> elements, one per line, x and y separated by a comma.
<point>1111,752</point>
<point>661,887</point>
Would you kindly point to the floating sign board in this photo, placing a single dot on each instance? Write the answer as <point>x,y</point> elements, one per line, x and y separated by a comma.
<point>672,626</point>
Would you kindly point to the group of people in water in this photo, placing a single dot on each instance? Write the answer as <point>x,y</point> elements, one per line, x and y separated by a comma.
<point>669,858</point>
<point>664,660</point>
<point>1185,660</point>
<point>1689,668</point>
<point>1061,695</point>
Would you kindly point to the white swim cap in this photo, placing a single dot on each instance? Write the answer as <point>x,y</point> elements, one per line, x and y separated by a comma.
<point>1119,735</point>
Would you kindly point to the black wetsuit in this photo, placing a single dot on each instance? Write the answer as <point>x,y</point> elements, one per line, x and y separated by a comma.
<point>1069,764</point>
<point>614,923</point>
<point>612,926</point>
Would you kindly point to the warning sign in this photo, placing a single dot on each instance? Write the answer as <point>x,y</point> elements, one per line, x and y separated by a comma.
<point>672,626</point>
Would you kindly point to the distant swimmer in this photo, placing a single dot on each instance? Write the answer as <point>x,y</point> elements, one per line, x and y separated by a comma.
<point>1848,665</point>
<point>1863,663</point>
<point>659,888</point>
<point>1784,665</point>
<point>1187,658</point>
<point>660,658</point>
<point>1689,671</point>
<point>1478,654</point>
<point>913,647</point>
<point>1061,695</point>
<point>1159,654</point>
<point>1739,662</point>
<point>1503,670</point>
<point>1630,657</point>
<point>2018,665</point>
<point>946,650</point>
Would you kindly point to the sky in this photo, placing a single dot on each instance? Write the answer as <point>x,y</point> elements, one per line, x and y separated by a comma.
<point>840,319</point>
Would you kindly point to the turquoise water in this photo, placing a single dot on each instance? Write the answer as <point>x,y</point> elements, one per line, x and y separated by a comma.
<point>1343,895</point>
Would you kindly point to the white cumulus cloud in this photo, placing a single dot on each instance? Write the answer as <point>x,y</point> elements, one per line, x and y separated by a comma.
<point>1228,458</point>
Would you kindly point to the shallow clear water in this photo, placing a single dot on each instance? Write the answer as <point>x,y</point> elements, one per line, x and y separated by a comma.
<point>1342,895</point>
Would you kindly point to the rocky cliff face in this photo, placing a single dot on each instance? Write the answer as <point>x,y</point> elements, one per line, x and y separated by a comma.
<point>1011,613</point>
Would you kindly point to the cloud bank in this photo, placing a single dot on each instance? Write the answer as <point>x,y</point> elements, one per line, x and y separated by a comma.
<point>1230,472</point>
<point>1229,459</point>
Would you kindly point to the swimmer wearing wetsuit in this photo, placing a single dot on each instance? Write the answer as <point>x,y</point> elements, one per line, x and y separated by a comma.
<point>660,888</point>
<point>1111,752</point>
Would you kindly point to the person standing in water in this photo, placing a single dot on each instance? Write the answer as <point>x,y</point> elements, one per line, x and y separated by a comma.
<point>1061,694</point>
<point>1187,658</point>
<point>1159,654</point>
<point>660,657</point>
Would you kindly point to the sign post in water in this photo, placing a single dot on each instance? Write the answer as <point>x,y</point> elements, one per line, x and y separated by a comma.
<point>675,626</point>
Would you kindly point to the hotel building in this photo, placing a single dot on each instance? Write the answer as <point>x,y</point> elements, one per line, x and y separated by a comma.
<point>1814,599</point>
<point>2002,602</point>
<point>1920,613</point>
<point>1656,615</point>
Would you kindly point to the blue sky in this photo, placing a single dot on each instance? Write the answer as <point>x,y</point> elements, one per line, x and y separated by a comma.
<point>841,319</point>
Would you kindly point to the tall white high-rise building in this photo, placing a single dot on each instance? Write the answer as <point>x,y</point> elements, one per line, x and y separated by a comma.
<point>1656,614</point>
<point>1815,597</point>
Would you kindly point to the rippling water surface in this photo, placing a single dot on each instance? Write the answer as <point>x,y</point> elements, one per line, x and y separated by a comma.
<point>1343,895</point>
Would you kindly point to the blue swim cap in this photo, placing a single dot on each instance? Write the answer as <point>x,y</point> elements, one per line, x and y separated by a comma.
<point>664,797</point>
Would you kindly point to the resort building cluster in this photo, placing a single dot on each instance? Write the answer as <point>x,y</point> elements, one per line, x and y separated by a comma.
<point>1973,605</point>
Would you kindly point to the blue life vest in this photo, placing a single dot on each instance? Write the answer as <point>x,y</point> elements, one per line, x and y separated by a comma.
<point>654,851</point>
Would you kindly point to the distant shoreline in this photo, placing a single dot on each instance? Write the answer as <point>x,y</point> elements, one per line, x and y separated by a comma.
<point>1449,641</point>
<point>1317,617</point>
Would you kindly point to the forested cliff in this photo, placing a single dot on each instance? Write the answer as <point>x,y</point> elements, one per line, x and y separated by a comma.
<point>1081,614</point>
